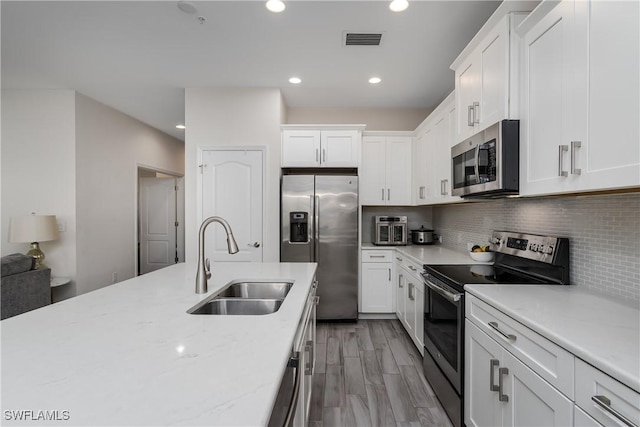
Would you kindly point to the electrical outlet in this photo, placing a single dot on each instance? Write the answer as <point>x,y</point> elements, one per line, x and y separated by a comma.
<point>114,277</point>
<point>62,226</point>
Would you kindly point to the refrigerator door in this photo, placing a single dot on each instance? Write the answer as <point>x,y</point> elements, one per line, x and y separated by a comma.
<point>336,216</point>
<point>296,240</point>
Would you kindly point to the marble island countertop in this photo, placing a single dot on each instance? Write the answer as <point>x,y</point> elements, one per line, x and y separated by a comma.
<point>600,330</point>
<point>129,354</point>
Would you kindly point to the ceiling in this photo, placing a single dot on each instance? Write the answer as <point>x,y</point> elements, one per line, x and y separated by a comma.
<point>138,56</point>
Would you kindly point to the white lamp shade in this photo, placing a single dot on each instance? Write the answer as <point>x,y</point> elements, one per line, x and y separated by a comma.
<point>33,228</point>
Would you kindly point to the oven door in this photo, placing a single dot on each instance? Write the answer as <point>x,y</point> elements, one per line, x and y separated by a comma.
<point>399,233</point>
<point>443,328</point>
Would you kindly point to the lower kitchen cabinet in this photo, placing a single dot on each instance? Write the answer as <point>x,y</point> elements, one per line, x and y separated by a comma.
<point>410,300</point>
<point>306,339</point>
<point>377,293</point>
<point>500,390</point>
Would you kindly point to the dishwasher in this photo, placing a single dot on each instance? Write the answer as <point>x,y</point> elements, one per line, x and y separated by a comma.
<point>292,402</point>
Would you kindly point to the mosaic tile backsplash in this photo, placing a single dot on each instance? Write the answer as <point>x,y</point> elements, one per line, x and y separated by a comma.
<point>604,233</point>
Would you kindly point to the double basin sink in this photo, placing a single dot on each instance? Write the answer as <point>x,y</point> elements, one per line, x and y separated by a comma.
<point>245,298</point>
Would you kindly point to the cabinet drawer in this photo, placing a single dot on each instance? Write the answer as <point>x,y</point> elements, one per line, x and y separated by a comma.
<point>551,362</point>
<point>617,401</point>
<point>407,263</point>
<point>377,256</point>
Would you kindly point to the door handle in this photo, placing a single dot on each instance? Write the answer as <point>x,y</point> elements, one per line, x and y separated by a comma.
<point>317,159</point>
<point>382,194</point>
<point>254,244</point>
<point>469,118</point>
<point>561,150</point>
<point>476,114</point>
<point>400,285</point>
<point>492,364</point>
<point>501,396</point>
<point>324,155</point>
<point>574,146</point>
<point>388,194</point>
<point>422,192</point>
<point>389,274</point>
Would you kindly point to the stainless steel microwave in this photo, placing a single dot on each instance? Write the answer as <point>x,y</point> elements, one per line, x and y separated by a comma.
<point>487,164</point>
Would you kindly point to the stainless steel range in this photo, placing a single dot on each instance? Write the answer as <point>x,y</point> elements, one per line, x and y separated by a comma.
<point>521,259</point>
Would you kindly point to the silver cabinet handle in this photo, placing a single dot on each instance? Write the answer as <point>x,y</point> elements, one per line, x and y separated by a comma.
<point>400,285</point>
<point>605,404</point>
<point>469,118</point>
<point>501,396</point>
<point>388,194</point>
<point>399,259</point>
<point>422,192</point>
<point>382,193</point>
<point>324,155</point>
<point>411,297</point>
<point>308,369</point>
<point>561,150</point>
<point>443,187</point>
<point>495,327</point>
<point>317,159</point>
<point>389,274</point>
<point>492,364</point>
<point>574,146</point>
<point>476,114</point>
<point>376,256</point>
<point>412,268</point>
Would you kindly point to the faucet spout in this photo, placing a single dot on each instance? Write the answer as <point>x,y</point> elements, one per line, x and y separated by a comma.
<point>204,269</point>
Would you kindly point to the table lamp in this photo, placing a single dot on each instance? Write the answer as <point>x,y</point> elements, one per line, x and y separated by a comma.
<point>33,229</point>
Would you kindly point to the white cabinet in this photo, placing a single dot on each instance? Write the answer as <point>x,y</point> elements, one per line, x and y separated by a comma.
<point>410,299</point>
<point>486,79</point>
<point>432,161</point>
<point>306,345</point>
<point>500,390</point>
<point>377,291</point>
<point>306,147</point>
<point>385,173</point>
<point>580,98</point>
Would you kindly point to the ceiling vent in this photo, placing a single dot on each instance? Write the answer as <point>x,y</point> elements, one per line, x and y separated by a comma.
<point>362,39</point>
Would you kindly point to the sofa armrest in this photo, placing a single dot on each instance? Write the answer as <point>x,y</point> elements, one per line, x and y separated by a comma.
<point>25,292</point>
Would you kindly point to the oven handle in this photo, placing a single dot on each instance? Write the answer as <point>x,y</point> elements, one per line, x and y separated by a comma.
<point>451,297</point>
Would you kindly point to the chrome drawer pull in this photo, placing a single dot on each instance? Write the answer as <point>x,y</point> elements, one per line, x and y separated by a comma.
<point>495,327</point>
<point>502,397</point>
<point>492,364</point>
<point>605,404</point>
<point>574,146</point>
<point>561,150</point>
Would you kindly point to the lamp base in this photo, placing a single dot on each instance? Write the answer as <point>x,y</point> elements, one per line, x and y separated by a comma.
<point>36,253</point>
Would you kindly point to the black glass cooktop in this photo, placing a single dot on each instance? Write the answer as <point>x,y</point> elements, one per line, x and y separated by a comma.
<point>479,274</point>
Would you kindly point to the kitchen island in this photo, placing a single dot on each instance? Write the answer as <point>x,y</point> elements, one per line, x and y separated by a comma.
<point>129,354</point>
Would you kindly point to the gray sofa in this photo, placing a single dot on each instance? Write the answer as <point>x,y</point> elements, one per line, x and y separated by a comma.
<point>22,288</point>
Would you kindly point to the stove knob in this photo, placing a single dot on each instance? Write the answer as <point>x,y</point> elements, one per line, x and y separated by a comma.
<point>495,241</point>
<point>549,250</point>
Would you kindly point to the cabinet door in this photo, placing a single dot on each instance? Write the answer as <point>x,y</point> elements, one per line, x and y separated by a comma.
<point>419,333</point>
<point>442,158</point>
<point>401,303</point>
<point>494,64</point>
<point>581,419</point>
<point>467,94</point>
<point>372,171</point>
<point>300,148</point>
<point>410,308</point>
<point>339,148</point>
<point>482,360</point>
<point>377,292</point>
<point>546,103</point>
<point>611,156</point>
<point>398,170</point>
<point>421,166</point>
<point>532,400</point>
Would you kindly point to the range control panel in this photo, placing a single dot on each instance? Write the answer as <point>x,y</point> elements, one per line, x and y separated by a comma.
<point>531,246</point>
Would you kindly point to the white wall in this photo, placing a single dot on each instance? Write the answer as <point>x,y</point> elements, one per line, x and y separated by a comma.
<point>38,169</point>
<point>110,147</point>
<point>375,118</point>
<point>233,117</point>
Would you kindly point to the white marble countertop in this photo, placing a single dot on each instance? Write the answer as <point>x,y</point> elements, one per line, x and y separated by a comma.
<point>129,354</point>
<point>600,330</point>
<point>429,254</point>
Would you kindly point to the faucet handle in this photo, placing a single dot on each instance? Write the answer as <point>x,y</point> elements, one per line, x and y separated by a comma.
<point>207,268</point>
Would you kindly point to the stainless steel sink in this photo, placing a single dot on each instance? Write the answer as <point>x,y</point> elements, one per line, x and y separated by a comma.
<point>269,290</point>
<point>236,306</point>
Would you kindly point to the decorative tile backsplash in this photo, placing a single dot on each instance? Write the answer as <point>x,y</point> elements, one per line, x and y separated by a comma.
<point>604,233</point>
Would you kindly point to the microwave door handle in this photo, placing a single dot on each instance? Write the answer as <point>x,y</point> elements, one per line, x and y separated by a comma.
<point>476,165</point>
<point>451,297</point>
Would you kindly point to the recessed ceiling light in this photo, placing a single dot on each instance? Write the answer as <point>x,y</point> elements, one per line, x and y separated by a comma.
<point>275,5</point>
<point>187,7</point>
<point>295,80</point>
<point>375,80</point>
<point>181,127</point>
<point>399,5</point>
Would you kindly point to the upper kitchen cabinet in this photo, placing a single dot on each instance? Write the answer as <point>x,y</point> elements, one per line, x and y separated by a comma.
<point>580,97</point>
<point>486,72</point>
<point>432,159</point>
<point>385,173</point>
<point>321,146</point>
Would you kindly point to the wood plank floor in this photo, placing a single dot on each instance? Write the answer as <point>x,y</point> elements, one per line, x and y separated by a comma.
<point>370,374</point>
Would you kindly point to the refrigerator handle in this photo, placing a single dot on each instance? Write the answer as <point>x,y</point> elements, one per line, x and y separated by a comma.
<point>316,229</point>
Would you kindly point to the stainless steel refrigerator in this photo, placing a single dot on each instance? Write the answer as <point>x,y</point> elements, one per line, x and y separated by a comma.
<point>319,223</point>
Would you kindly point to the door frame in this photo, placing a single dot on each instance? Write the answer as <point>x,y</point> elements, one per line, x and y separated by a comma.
<point>201,149</point>
<point>136,216</point>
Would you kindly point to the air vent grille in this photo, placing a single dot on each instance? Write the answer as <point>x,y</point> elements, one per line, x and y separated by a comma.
<point>363,39</point>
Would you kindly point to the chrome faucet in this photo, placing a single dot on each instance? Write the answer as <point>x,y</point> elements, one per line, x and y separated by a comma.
<point>204,268</point>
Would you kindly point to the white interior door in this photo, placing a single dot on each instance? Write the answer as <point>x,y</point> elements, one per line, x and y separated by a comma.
<point>157,202</point>
<point>232,188</point>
